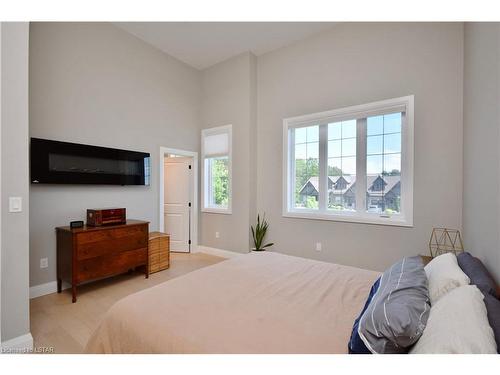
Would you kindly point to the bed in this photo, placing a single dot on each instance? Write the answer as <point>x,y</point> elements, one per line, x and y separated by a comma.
<point>253,303</point>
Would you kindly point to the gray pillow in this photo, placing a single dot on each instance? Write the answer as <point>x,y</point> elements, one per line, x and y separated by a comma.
<point>398,312</point>
<point>493,309</point>
<point>477,272</point>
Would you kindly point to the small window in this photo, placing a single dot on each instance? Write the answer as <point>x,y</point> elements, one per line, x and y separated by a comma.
<point>352,164</point>
<point>216,169</point>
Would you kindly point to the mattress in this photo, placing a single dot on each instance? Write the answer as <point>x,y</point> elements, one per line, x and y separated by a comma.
<point>261,302</point>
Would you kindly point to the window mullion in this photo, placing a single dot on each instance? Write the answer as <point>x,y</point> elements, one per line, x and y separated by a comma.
<point>360,166</point>
<point>291,166</point>
<point>210,183</point>
<point>405,168</point>
<point>207,182</point>
<point>323,167</point>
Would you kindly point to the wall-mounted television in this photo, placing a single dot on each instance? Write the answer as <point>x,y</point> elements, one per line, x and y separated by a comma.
<point>55,162</point>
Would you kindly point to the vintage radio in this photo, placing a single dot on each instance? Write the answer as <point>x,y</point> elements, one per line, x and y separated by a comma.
<point>106,216</point>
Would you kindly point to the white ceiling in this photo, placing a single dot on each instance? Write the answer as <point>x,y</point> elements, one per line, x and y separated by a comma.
<point>202,44</point>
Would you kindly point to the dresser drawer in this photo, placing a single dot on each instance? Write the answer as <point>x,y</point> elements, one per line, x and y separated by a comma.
<point>111,241</point>
<point>109,265</point>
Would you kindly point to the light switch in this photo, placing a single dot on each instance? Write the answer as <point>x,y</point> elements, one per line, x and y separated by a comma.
<point>15,204</point>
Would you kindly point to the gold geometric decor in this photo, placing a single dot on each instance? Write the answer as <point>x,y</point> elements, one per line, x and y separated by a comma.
<point>445,240</point>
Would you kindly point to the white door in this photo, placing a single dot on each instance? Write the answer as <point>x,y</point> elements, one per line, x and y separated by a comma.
<point>177,207</point>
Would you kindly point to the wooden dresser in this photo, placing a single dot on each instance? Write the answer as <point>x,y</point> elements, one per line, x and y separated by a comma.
<point>92,253</point>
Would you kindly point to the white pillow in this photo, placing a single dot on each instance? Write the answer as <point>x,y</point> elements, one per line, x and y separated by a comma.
<point>444,274</point>
<point>457,324</point>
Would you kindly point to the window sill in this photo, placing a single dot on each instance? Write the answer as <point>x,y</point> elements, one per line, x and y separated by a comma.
<point>367,219</point>
<point>213,210</point>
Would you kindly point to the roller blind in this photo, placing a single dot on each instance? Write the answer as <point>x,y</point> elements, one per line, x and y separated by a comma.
<point>216,144</point>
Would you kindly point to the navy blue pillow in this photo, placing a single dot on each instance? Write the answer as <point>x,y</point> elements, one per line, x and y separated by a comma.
<point>477,272</point>
<point>356,345</point>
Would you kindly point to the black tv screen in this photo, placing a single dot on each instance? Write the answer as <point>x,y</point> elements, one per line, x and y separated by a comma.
<point>55,162</point>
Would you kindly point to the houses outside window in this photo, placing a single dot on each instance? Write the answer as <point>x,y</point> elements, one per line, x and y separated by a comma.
<point>216,169</point>
<point>352,164</point>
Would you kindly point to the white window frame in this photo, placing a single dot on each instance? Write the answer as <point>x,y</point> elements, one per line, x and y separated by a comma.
<point>228,129</point>
<point>360,113</point>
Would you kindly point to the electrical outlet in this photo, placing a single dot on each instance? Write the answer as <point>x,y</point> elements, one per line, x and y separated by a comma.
<point>318,246</point>
<point>44,262</point>
<point>217,234</point>
<point>15,204</point>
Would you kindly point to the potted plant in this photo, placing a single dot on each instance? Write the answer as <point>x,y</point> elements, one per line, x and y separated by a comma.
<point>258,233</point>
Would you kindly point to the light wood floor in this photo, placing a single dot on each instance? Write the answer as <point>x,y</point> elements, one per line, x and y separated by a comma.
<point>66,326</point>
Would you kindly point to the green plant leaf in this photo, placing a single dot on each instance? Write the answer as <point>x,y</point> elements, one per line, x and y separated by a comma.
<point>259,232</point>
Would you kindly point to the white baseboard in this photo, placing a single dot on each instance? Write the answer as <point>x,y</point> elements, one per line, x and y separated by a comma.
<point>217,252</point>
<point>19,344</point>
<point>48,288</point>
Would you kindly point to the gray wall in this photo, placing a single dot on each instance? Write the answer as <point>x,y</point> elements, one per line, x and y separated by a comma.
<point>229,98</point>
<point>355,64</point>
<point>94,83</point>
<point>481,143</point>
<point>14,157</point>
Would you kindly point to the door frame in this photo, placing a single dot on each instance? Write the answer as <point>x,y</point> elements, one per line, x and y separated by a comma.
<point>194,192</point>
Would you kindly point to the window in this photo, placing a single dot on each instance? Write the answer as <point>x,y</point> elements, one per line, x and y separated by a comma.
<point>352,164</point>
<point>216,169</point>
<point>307,167</point>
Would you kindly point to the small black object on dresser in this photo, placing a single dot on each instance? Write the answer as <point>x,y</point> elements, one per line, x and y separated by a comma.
<point>76,224</point>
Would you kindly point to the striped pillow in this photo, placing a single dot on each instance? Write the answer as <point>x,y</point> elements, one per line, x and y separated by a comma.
<point>397,313</point>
